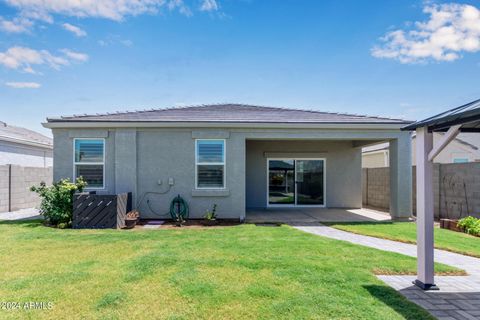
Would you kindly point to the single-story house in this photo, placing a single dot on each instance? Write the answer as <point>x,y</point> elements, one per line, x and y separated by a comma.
<point>464,148</point>
<point>239,157</point>
<point>24,147</point>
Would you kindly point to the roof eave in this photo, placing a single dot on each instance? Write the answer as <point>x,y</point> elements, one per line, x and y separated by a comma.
<point>26,142</point>
<point>191,124</point>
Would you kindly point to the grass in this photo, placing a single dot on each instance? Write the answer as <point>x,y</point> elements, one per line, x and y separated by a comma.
<point>407,232</point>
<point>241,272</point>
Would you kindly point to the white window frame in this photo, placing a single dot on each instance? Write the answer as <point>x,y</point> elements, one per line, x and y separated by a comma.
<point>224,164</point>
<point>75,163</point>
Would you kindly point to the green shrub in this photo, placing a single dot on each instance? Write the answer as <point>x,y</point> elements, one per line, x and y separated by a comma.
<point>211,215</point>
<point>57,200</point>
<point>470,225</point>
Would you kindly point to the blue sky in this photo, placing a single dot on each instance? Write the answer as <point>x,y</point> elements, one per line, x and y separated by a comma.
<point>407,59</point>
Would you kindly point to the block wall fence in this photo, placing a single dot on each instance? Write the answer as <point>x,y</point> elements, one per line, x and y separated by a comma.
<point>456,189</point>
<point>15,183</point>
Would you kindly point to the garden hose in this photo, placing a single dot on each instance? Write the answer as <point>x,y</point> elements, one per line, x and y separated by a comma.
<point>144,196</point>
<point>179,208</point>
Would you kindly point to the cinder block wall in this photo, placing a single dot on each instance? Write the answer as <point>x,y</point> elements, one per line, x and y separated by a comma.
<point>22,178</point>
<point>456,189</point>
<point>459,192</point>
<point>377,187</point>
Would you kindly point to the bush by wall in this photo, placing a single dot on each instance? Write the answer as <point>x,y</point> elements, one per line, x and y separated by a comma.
<point>470,225</point>
<point>57,200</point>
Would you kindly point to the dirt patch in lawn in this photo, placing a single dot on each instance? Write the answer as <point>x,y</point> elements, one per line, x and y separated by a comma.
<point>383,272</point>
<point>190,224</point>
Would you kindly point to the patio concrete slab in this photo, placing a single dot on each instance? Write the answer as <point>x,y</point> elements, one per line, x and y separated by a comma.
<point>24,214</point>
<point>313,215</point>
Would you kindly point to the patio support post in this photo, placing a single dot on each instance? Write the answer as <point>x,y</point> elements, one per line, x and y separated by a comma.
<point>425,259</point>
<point>401,177</point>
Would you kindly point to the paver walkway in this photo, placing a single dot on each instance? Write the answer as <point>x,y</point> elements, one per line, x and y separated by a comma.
<point>458,297</point>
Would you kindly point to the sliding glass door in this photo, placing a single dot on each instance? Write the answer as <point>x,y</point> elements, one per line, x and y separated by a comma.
<point>296,182</point>
<point>281,180</point>
<point>309,179</point>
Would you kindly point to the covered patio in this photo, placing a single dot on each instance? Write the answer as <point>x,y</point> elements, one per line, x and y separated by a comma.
<point>316,175</point>
<point>299,216</point>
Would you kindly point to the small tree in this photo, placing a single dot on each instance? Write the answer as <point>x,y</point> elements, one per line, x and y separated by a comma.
<point>57,200</point>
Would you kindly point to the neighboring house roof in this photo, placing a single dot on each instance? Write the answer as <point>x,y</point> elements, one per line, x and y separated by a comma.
<point>231,113</point>
<point>468,115</point>
<point>24,136</point>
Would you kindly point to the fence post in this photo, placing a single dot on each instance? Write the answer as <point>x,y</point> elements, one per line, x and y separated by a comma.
<point>366,186</point>
<point>9,188</point>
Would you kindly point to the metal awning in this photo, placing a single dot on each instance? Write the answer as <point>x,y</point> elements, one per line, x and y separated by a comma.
<point>468,115</point>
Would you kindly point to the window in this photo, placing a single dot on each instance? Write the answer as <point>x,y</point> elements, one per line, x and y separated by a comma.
<point>210,164</point>
<point>89,161</point>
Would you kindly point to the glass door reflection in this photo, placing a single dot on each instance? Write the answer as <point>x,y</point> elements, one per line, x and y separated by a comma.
<point>281,182</point>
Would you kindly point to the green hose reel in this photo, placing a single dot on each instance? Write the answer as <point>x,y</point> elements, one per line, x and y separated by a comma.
<point>179,209</point>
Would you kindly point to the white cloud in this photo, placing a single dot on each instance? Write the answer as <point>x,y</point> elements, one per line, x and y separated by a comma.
<point>78,56</point>
<point>450,30</point>
<point>113,39</point>
<point>30,11</point>
<point>109,9</point>
<point>209,5</point>
<point>74,29</point>
<point>127,43</point>
<point>23,85</point>
<point>16,25</point>
<point>22,58</point>
<point>180,5</point>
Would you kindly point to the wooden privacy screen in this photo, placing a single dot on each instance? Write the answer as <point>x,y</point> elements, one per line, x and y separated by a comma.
<point>100,211</point>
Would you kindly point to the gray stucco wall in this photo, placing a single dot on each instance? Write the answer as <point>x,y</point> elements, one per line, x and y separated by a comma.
<point>342,167</point>
<point>168,154</point>
<point>142,160</point>
<point>63,154</point>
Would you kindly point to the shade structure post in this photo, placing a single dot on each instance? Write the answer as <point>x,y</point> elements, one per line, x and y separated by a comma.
<point>425,258</point>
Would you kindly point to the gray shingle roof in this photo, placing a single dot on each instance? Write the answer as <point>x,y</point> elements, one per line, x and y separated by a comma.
<point>233,113</point>
<point>20,135</point>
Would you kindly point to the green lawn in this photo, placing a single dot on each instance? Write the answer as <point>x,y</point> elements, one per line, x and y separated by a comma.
<point>241,272</point>
<point>407,232</point>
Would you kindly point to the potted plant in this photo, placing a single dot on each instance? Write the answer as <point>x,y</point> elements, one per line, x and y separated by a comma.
<point>211,216</point>
<point>132,219</point>
<point>451,224</point>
